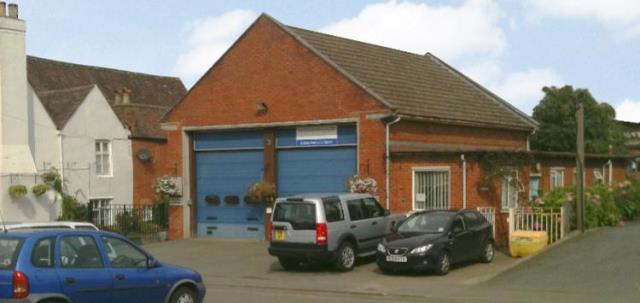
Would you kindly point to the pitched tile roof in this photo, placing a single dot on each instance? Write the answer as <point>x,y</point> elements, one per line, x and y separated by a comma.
<point>62,103</point>
<point>420,86</point>
<point>150,95</point>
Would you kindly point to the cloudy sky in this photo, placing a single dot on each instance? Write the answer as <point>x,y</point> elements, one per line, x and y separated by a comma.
<point>512,47</point>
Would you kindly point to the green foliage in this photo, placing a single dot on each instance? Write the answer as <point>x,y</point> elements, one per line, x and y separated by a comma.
<point>39,189</point>
<point>17,191</point>
<point>72,210</point>
<point>600,207</point>
<point>501,164</point>
<point>53,179</point>
<point>128,222</point>
<point>557,198</point>
<point>557,123</point>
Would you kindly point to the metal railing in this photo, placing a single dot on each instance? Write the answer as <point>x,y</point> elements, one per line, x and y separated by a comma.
<point>144,223</point>
<point>555,221</point>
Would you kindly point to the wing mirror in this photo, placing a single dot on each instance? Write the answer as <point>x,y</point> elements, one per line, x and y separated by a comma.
<point>386,213</point>
<point>457,230</point>
<point>152,263</point>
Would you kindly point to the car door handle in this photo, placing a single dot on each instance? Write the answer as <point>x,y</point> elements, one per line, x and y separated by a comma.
<point>119,277</point>
<point>374,222</point>
<point>353,226</point>
<point>70,280</point>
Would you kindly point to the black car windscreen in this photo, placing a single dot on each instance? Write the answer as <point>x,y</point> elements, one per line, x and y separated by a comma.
<point>425,223</point>
<point>299,214</point>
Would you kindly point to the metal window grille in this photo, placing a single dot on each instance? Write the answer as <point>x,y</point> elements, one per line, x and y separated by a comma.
<point>431,189</point>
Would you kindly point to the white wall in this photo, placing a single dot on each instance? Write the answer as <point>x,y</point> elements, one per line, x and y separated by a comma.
<point>95,120</point>
<point>44,139</point>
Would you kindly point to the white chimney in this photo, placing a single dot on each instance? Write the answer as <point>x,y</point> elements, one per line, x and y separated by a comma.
<point>16,155</point>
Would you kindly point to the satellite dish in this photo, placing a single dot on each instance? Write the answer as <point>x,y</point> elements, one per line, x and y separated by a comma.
<point>144,155</point>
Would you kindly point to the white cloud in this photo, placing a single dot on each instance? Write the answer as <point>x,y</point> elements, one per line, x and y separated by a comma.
<point>622,16</point>
<point>207,40</point>
<point>524,89</point>
<point>628,110</point>
<point>446,31</point>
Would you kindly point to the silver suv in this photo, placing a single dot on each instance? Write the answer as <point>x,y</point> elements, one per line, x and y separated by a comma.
<point>327,227</point>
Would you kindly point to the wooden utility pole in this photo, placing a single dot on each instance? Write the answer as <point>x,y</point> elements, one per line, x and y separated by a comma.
<point>580,163</point>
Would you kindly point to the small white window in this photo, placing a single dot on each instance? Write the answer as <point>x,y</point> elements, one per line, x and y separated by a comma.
<point>509,190</point>
<point>431,188</point>
<point>556,177</point>
<point>103,158</point>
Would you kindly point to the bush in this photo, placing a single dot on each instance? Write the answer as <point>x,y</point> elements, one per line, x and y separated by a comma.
<point>72,210</point>
<point>128,222</point>
<point>600,207</point>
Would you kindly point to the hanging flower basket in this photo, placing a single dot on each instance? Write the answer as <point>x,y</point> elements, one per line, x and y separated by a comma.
<point>39,189</point>
<point>168,187</point>
<point>17,191</point>
<point>357,184</point>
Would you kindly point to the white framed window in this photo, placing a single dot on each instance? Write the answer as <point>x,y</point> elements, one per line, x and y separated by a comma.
<point>103,158</point>
<point>509,186</point>
<point>556,177</point>
<point>431,188</point>
<point>534,186</point>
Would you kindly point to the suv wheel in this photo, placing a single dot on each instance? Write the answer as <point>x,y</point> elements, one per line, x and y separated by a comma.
<point>288,263</point>
<point>488,252</point>
<point>346,257</point>
<point>444,262</point>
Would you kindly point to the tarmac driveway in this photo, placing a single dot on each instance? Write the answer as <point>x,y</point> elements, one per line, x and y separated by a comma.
<point>246,265</point>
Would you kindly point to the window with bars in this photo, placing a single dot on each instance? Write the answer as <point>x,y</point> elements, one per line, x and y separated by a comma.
<point>103,158</point>
<point>431,188</point>
<point>556,177</point>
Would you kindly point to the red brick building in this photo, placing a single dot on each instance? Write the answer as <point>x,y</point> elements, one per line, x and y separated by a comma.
<point>306,110</point>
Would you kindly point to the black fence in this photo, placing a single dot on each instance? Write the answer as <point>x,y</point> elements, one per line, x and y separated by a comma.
<point>140,223</point>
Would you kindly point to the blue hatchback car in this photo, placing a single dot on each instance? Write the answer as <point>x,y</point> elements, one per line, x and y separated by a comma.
<point>71,266</point>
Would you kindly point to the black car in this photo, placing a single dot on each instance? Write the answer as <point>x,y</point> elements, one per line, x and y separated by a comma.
<point>433,240</point>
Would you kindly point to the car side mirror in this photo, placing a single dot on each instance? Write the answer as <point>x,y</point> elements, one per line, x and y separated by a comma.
<point>457,230</point>
<point>152,263</point>
<point>386,213</point>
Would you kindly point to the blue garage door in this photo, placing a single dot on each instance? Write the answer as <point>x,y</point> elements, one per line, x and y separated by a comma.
<point>317,167</point>
<point>226,165</point>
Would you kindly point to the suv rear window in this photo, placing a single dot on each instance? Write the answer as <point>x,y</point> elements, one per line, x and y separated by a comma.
<point>9,252</point>
<point>299,214</point>
<point>333,210</point>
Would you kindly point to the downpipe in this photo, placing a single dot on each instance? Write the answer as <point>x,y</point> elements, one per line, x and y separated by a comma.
<point>387,162</point>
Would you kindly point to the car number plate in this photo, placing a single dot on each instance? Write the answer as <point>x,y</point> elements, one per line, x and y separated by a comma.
<point>279,235</point>
<point>396,259</point>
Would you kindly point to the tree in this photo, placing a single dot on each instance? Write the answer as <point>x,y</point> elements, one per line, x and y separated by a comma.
<point>557,123</point>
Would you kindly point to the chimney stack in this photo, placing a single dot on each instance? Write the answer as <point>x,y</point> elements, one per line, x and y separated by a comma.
<point>13,11</point>
<point>3,9</point>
